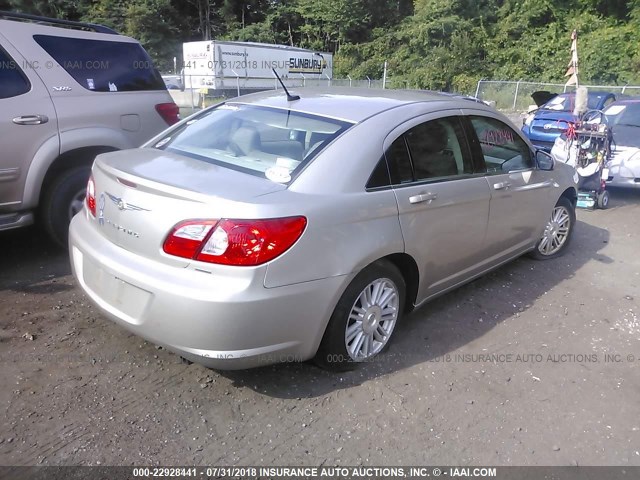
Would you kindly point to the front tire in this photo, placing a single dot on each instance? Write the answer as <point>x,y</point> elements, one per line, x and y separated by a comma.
<point>364,318</point>
<point>61,201</point>
<point>558,231</point>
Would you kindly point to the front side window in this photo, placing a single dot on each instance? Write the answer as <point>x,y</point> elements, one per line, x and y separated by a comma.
<point>502,148</point>
<point>266,142</point>
<point>103,66</point>
<point>12,80</point>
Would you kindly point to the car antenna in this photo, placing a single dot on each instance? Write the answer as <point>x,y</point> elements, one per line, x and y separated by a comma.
<point>290,97</point>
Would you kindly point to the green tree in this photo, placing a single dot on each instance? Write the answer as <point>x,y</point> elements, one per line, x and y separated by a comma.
<point>65,9</point>
<point>152,22</point>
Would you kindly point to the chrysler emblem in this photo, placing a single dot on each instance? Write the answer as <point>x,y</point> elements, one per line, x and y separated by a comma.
<point>122,205</point>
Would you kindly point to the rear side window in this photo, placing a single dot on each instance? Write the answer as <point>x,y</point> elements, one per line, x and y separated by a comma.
<point>12,80</point>
<point>104,66</point>
<point>436,149</point>
<point>431,150</point>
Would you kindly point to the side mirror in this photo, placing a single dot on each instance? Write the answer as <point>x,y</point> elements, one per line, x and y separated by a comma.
<point>544,161</point>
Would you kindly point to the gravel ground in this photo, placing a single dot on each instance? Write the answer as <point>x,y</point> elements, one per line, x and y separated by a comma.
<point>536,363</point>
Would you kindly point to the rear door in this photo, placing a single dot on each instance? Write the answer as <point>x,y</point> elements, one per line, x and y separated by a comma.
<point>27,121</point>
<point>443,203</point>
<point>520,194</point>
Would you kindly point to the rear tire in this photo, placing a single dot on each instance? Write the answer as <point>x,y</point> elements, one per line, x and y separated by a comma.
<point>364,319</point>
<point>61,201</point>
<point>603,200</point>
<point>558,231</point>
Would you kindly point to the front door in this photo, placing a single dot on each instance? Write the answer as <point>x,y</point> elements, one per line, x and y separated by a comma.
<point>519,207</point>
<point>27,121</point>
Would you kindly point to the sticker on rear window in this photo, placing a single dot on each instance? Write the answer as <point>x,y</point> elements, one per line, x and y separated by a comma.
<point>162,142</point>
<point>278,174</point>
<point>90,84</point>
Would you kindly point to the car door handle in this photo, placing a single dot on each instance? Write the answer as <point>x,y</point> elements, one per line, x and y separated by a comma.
<point>31,120</point>
<point>501,186</point>
<point>423,197</point>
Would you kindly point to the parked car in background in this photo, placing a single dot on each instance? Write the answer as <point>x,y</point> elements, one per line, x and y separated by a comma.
<point>272,227</point>
<point>173,82</point>
<point>623,119</point>
<point>68,91</point>
<point>544,125</point>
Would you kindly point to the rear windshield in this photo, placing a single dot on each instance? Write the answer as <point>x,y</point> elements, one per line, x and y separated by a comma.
<point>624,114</point>
<point>266,142</point>
<point>104,66</point>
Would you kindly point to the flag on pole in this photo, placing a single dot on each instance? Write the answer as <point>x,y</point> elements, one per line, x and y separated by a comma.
<point>572,72</point>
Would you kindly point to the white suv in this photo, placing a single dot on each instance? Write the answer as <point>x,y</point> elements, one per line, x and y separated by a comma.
<point>68,91</point>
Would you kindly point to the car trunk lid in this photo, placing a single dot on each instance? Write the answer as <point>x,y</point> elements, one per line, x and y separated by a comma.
<point>141,194</point>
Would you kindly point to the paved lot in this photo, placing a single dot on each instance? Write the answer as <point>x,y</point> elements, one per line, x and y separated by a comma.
<point>509,370</point>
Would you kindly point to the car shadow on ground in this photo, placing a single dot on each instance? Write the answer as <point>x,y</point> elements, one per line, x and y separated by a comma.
<point>441,326</point>
<point>31,263</point>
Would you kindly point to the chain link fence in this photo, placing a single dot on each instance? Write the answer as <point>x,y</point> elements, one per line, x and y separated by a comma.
<point>516,95</point>
<point>192,92</point>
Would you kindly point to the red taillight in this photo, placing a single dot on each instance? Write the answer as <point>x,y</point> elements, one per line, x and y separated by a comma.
<point>169,112</point>
<point>234,242</point>
<point>91,196</point>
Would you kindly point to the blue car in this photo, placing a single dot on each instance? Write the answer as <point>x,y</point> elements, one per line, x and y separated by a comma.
<point>545,124</point>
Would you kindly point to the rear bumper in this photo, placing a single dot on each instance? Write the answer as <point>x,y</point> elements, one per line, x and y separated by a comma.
<point>222,322</point>
<point>619,181</point>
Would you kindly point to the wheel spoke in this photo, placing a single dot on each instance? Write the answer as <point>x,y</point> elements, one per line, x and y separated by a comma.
<point>386,297</point>
<point>353,330</point>
<point>366,346</point>
<point>380,333</point>
<point>376,292</point>
<point>543,243</point>
<point>360,311</point>
<point>366,300</point>
<point>356,345</point>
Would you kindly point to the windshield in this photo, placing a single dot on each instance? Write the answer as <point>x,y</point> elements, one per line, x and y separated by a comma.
<point>623,114</point>
<point>267,142</point>
<point>565,102</point>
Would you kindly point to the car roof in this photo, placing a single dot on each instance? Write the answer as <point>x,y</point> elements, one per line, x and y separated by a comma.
<point>627,100</point>
<point>354,104</point>
<point>12,28</point>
